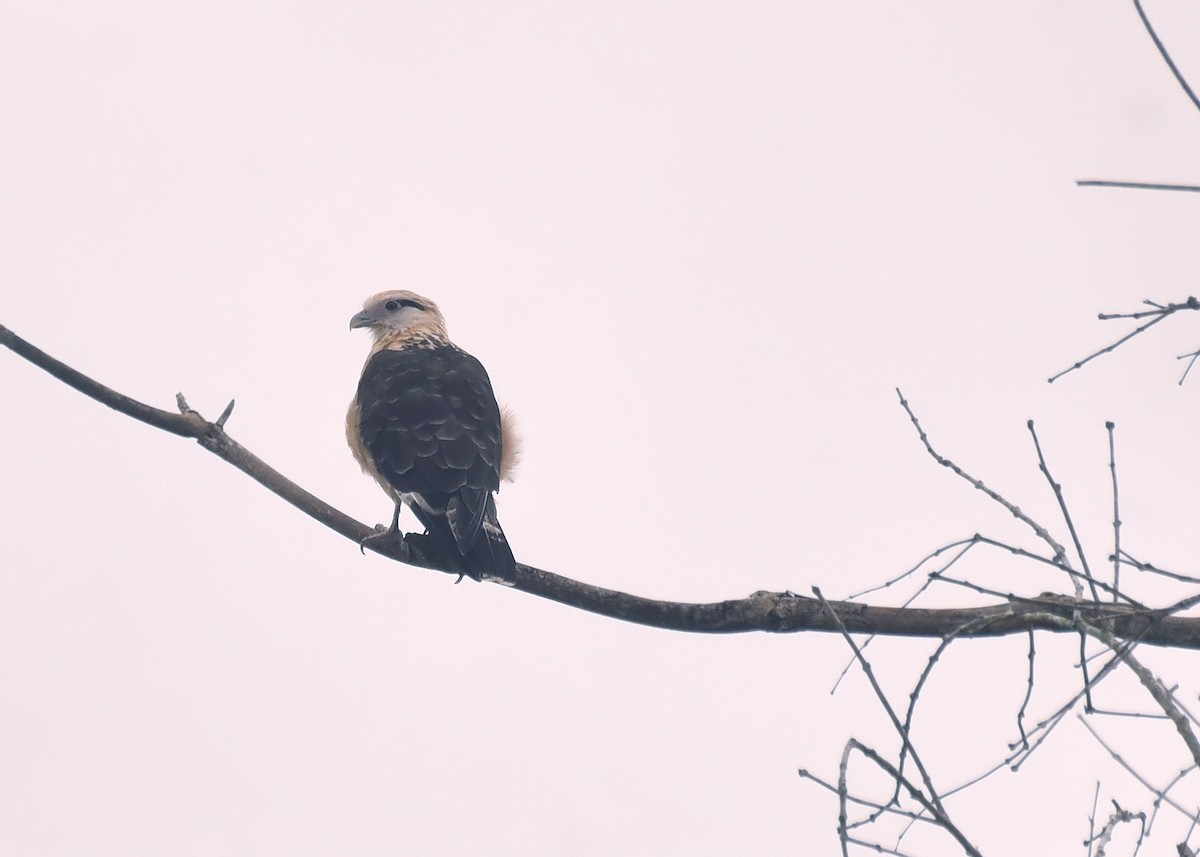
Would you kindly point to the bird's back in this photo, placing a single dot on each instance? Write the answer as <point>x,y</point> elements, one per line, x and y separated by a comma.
<point>429,423</point>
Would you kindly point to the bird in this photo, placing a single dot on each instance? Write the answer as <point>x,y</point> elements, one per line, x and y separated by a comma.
<point>425,424</point>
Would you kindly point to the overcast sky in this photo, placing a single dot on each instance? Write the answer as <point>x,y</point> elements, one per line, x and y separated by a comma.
<point>697,245</point>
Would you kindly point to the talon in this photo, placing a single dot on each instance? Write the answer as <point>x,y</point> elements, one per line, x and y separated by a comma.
<point>381,533</point>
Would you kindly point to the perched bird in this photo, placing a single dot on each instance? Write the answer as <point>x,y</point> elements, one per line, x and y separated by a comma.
<point>425,424</point>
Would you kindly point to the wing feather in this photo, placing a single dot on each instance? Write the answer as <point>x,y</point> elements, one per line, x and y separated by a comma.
<point>429,419</point>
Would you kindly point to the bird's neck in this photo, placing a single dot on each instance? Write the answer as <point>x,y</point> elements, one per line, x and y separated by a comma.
<point>428,335</point>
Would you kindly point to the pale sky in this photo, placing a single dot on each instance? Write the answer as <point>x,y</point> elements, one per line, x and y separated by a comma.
<point>697,247</point>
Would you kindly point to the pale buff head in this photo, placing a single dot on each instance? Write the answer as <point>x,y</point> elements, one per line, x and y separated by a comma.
<point>401,315</point>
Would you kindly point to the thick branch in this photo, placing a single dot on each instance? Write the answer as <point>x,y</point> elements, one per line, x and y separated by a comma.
<point>781,612</point>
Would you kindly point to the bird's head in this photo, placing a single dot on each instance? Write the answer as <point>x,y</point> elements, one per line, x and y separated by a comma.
<point>400,314</point>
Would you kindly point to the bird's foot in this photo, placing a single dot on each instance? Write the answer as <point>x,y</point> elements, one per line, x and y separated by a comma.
<point>381,535</point>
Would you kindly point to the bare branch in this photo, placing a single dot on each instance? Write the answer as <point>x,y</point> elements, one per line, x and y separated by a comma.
<point>1162,49</point>
<point>965,544</point>
<point>1151,568</point>
<point>1153,685</point>
<point>1194,355</point>
<point>1037,558</point>
<point>1060,554</point>
<point>938,816</point>
<point>1118,816</point>
<point>1156,315</point>
<point>877,808</point>
<point>1028,695</point>
<point>1120,760</point>
<point>1112,466</point>
<point>1062,505</point>
<point>901,729</point>
<point>1023,751</point>
<point>915,694</point>
<point>1137,185</point>
<point>777,612</point>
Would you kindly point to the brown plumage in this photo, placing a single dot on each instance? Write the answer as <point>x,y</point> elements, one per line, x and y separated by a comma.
<point>425,425</point>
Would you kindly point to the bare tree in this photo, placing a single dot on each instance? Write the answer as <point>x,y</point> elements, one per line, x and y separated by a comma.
<point>879,820</point>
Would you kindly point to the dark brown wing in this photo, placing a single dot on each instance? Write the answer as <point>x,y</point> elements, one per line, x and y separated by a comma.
<point>429,419</point>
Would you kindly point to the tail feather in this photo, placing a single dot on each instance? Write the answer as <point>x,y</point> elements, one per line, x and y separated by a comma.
<point>489,554</point>
<point>492,547</point>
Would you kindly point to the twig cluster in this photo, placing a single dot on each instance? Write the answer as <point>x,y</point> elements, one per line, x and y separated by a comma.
<point>1160,312</point>
<point>916,800</point>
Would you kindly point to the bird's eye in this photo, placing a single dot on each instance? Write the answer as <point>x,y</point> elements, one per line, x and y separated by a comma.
<point>392,305</point>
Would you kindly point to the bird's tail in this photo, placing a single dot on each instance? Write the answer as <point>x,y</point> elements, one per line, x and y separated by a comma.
<point>488,555</point>
<point>491,554</point>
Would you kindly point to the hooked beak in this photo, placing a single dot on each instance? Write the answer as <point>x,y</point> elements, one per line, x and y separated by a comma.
<point>361,319</point>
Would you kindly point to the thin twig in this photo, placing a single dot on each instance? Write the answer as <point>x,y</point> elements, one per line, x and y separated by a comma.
<point>1151,568</point>
<point>1132,715</point>
<point>1046,725</point>
<point>915,693</point>
<point>1025,554</point>
<point>876,847</point>
<point>877,808</point>
<point>1118,816</point>
<point>966,544</point>
<point>1083,669</point>
<point>1160,313</point>
<point>1105,611</point>
<point>1194,355</point>
<point>928,804</point>
<point>1028,695</point>
<point>1178,778</point>
<point>987,541</point>
<point>1062,506</point>
<point>969,543</point>
<point>1162,49</point>
<point>1120,760</point>
<point>1137,185</point>
<point>1156,309</point>
<point>1190,716</point>
<point>1040,531</point>
<point>883,700</point>
<point>1110,426</point>
<point>1152,684</point>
